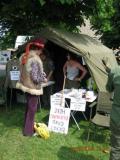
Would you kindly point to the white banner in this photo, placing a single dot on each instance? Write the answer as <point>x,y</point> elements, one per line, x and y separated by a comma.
<point>58,118</point>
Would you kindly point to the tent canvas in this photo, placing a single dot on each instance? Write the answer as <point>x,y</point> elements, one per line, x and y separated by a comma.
<point>90,49</point>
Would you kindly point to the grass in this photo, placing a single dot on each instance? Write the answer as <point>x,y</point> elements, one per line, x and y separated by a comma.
<point>73,146</point>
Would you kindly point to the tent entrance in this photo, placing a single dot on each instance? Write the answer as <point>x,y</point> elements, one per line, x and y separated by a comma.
<point>59,57</point>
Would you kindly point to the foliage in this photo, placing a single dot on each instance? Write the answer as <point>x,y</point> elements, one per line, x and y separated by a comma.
<point>27,17</point>
<point>112,37</point>
<point>107,21</point>
<point>102,16</point>
<point>7,41</point>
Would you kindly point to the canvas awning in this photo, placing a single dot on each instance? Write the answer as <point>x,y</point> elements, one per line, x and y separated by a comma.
<point>90,49</point>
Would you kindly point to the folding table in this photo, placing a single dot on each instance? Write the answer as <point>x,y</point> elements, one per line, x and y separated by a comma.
<point>75,100</point>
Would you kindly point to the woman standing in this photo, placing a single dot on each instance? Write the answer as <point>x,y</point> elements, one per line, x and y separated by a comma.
<point>30,82</point>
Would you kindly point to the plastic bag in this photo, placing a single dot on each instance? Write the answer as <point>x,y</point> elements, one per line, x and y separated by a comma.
<point>42,130</point>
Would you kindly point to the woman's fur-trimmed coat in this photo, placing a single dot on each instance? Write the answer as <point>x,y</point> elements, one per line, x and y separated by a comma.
<point>32,75</point>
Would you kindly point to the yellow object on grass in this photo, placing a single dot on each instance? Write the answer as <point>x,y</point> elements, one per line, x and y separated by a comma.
<point>42,130</point>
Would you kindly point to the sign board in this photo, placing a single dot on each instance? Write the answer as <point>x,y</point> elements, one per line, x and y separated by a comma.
<point>4,56</point>
<point>15,75</point>
<point>59,117</point>
<point>57,100</point>
<point>78,104</point>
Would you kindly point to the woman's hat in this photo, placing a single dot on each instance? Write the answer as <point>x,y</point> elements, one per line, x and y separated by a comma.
<point>38,43</point>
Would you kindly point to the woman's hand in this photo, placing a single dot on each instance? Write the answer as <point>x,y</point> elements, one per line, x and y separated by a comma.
<point>45,80</point>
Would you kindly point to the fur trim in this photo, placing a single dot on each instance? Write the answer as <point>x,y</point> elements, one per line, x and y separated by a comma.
<point>28,90</point>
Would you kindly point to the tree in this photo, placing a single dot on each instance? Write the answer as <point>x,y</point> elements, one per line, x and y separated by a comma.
<point>27,17</point>
<point>112,38</point>
<point>107,21</point>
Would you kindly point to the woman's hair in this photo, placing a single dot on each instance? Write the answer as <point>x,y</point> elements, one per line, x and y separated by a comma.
<point>72,56</point>
<point>31,46</point>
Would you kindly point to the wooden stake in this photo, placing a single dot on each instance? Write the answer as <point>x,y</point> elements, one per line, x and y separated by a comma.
<point>63,90</point>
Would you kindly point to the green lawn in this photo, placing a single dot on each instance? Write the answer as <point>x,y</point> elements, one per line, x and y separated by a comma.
<point>14,146</point>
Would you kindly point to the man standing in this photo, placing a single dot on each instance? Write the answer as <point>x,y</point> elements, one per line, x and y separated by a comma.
<point>113,85</point>
<point>73,71</point>
<point>48,67</point>
<point>117,55</point>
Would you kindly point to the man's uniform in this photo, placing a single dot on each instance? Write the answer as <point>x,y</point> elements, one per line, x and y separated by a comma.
<point>113,85</point>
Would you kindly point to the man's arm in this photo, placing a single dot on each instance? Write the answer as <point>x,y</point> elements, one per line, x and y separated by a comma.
<point>109,85</point>
<point>105,66</point>
<point>49,75</point>
<point>52,68</point>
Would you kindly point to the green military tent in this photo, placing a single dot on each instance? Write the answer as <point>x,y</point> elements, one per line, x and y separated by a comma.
<point>90,49</point>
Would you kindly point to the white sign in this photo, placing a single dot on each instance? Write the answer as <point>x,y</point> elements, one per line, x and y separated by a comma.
<point>59,119</point>
<point>78,104</point>
<point>14,75</point>
<point>57,100</point>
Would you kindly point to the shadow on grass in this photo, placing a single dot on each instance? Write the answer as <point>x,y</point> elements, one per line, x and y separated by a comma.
<point>98,135</point>
<point>78,117</point>
<point>11,118</point>
<point>66,153</point>
<point>45,119</point>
